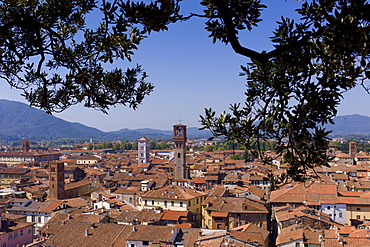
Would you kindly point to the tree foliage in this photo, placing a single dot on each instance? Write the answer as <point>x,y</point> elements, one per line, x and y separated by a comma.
<point>292,90</point>
<point>47,50</point>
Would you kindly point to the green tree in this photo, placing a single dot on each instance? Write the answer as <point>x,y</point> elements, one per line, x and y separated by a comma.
<point>127,146</point>
<point>89,146</point>
<point>152,145</point>
<point>116,146</point>
<point>163,145</point>
<point>292,90</point>
<point>39,38</point>
<point>209,148</point>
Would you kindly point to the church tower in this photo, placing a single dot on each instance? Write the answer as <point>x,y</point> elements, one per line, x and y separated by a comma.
<point>25,146</point>
<point>179,139</point>
<point>143,150</point>
<point>56,182</point>
<point>352,149</point>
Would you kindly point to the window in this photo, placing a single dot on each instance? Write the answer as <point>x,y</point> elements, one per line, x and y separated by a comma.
<point>189,203</point>
<point>178,155</point>
<point>145,242</point>
<point>15,234</point>
<point>340,215</point>
<point>130,199</point>
<point>172,203</point>
<point>358,209</point>
<point>358,217</point>
<point>297,244</point>
<point>181,204</point>
<point>152,202</point>
<point>328,208</point>
<point>146,201</point>
<point>10,236</point>
<point>165,203</point>
<point>21,232</point>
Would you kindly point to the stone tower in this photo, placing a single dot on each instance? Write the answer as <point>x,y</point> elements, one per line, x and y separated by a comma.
<point>25,146</point>
<point>179,139</point>
<point>56,182</point>
<point>352,149</point>
<point>143,150</point>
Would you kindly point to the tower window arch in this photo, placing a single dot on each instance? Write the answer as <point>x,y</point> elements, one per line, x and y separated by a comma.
<point>178,155</point>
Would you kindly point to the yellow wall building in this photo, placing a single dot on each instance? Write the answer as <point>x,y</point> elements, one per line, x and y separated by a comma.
<point>175,198</point>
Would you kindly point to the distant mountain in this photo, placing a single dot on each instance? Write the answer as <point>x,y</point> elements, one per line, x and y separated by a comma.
<point>349,125</point>
<point>19,121</point>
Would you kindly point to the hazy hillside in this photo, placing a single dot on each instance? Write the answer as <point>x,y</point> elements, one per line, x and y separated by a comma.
<point>350,124</point>
<point>20,121</point>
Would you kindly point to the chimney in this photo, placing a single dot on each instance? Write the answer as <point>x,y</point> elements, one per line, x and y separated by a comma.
<point>86,232</point>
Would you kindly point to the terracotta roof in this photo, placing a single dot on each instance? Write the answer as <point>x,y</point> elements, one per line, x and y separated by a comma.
<point>175,215</point>
<point>50,205</point>
<point>73,233</point>
<point>76,184</point>
<point>355,200</point>
<point>152,233</point>
<point>301,192</point>
<point>59,220</point>
<point>219,214</point>
<point>309,235</point>
<point>199,180</point>
<point>13,170</point>
<point>234,205</point>
<point>143,139</point>
<point>173,192</point>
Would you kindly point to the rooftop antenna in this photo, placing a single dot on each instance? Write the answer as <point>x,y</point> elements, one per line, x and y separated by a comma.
<point>180,120</point>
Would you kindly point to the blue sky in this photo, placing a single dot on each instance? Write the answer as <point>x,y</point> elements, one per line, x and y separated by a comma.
<point>189,74</point>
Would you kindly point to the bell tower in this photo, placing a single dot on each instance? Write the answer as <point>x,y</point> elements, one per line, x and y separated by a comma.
<point>179,139</point>
<point>143,150</point>
<point>56,182</point>
<point>352,149</point>
<point>25,146</point>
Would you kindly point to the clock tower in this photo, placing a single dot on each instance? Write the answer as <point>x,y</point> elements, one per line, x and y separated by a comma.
<point>179,139</point>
